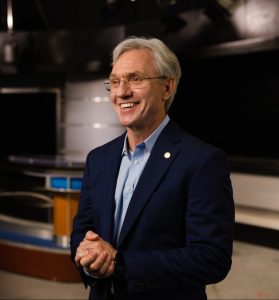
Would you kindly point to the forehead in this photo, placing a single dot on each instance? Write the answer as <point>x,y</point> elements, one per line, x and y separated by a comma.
<point>133,61</point>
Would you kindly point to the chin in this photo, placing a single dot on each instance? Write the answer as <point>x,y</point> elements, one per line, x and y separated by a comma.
<point>126,121</point>
<point>126,124</point>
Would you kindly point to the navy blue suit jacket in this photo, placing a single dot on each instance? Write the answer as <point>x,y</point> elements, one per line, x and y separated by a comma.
<point>177,235</point>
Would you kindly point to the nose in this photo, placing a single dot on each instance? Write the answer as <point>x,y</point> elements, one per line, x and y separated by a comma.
<point>124,90</point>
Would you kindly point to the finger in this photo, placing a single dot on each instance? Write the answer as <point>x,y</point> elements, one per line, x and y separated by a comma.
<point>99,245</point>
<point>80,254</point>
<point>87,244</point>
<point>99,262</point>
<point>87,260</point>
<point>110,269</point>
<point>104,268</point>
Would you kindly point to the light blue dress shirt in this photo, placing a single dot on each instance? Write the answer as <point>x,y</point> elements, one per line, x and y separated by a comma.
<point>131,167</point>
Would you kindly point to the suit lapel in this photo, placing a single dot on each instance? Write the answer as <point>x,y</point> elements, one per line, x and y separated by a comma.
<point>163,154</point>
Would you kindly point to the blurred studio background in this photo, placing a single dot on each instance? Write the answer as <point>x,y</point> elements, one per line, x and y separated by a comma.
<point>54,58</point>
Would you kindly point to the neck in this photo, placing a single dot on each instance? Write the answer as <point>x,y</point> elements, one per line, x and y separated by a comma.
<point>138,135</point>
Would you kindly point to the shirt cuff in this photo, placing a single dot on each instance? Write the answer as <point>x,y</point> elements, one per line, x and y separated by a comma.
<point>88,273</point>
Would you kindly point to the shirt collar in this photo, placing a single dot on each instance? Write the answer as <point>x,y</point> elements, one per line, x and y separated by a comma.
<point>149,141</point>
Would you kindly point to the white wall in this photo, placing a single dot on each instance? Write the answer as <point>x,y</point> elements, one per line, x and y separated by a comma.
<point>256,191</point>
<point>88,118</point>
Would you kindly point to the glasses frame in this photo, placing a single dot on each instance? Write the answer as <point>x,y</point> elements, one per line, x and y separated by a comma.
<point>107,83</point>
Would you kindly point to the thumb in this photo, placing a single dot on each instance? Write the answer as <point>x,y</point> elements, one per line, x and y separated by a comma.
<point>91,235</point>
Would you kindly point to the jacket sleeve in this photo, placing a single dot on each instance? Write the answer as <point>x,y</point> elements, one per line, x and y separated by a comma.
<point>82,222</point>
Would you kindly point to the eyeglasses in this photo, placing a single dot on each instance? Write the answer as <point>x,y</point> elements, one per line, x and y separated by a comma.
<point>134,82</point>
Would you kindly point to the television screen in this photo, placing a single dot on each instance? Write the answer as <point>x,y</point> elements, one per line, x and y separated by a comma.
<point>28,121</point>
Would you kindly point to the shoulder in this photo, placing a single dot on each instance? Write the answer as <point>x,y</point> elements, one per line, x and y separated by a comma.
<point>200,160</point>
<point>107,148</point>
<point>195,148</point>
<point>187,139</point>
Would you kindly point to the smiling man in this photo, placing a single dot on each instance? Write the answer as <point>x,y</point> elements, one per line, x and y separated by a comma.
<point>138,109</point>
<point>156,212</point>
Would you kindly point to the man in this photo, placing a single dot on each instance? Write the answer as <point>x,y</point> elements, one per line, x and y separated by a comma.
<point>156,212</point>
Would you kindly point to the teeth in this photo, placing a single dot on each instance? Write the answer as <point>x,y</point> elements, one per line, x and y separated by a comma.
<point>127,105</point>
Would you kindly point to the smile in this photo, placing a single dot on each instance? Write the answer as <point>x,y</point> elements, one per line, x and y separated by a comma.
<point>128,104</point>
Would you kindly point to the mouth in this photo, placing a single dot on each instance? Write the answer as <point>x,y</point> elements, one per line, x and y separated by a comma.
<point>128,104</point>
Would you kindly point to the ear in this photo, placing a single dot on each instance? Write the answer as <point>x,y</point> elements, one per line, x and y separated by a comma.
<point>169,86</point>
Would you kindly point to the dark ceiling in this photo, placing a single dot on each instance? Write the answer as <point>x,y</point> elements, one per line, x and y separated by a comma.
<point>79,35</point>
<point>89,14</point>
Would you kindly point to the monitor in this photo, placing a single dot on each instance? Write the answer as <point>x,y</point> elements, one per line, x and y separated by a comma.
<point>29,119</point>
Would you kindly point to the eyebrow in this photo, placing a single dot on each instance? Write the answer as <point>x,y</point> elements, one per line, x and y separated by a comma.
<point>128,75</point>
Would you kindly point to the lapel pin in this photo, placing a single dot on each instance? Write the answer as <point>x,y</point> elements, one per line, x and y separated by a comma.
<point>167,155</point>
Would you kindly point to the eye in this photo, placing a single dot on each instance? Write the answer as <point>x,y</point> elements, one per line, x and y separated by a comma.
<point>136,79</point>
<point>115,82</point>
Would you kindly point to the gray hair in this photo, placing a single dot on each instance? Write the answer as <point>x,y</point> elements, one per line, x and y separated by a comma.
<point>166,61</point>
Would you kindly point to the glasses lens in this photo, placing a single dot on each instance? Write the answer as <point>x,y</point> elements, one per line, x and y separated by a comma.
<point>107,86</point>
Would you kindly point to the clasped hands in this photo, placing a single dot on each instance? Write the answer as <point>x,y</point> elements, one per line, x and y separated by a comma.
<point>96,256</point>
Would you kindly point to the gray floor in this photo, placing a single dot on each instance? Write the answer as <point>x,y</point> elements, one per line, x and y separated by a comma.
<point>254,275</point>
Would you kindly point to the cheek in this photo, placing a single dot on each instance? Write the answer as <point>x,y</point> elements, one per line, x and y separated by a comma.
<point>147,97</point>
<point>113,100</point>
<point>156,102</point>
<point>156,94</point>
